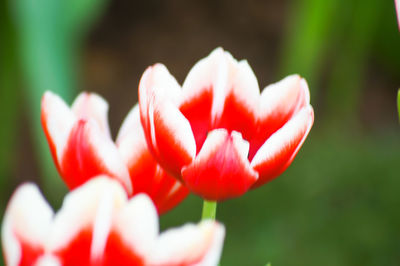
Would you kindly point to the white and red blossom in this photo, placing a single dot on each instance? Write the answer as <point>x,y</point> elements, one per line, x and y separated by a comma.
<point>81,145</point>
<point>98,225</point>
<point>217,133</point>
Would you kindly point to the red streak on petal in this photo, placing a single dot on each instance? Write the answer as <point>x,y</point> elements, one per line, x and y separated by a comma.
<point>198,112</point>
<point>52,145</point>
<point>149,178</point>
<point>29,253</point>
<point>220,175</point>
<point>267,126</point>
<point>80,161</point>
<point>173,156</point>
<point>119,253</point>
<point>77,252</point>
<point>275,166</point>
<point>236,117</point>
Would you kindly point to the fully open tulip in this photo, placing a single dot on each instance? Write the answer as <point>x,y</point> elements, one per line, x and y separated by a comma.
<point>82,147</point>
<point>98,225</point>
<point>217,133</point>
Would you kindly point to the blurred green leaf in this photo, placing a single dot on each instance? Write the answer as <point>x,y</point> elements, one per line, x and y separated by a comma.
<point>8,92</point>
<point>308,36</point>
<point>81,13</point>
<point>355,42</point>
<point>50,33</point>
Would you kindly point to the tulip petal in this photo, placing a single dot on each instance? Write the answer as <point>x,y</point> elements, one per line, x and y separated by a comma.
<point>168,132</point>
<point>48,260</point>
<point>219,92</point>
<point>190,245</point>
<point>279,102</point>
<point>92,106</point>
<point>221,169</point>
<point>81,228</point>
<point>241,102</point>
<point>89,153</point>
<point>133,234</point>
<point>204,92</point>
<point>145,173</point>
<point>57,121</point>
<point>276,154</point>
<point>25,226</point>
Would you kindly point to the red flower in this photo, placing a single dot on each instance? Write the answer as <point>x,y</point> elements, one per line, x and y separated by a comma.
<point>218,134</point>
<point>97,225</point>
<point>81,145</point>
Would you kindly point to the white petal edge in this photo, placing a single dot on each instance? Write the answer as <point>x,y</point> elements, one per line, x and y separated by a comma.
<point>59,121</point>
<point>48,260</point>
<point>157,80</point>
<point>243,82</point>
<point>282,96</point>
<point>177,123</point>
<point>137,224</point>
<point>213,140</point>
<point>29,215</point>
<point>189,243</point>
<point>82,208</point>
<point>109,154</point>
<point>300,124</point>
<point>131,141</point>
<point>92,106</point>
<point>210,72</point>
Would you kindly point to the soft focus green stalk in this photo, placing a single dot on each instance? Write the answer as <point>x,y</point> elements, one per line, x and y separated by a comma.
<point>349,67</point>
<point>209,210</point>
<point>309,33</point>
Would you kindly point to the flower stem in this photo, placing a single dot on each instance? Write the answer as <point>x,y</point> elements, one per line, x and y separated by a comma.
<point>209,210</point>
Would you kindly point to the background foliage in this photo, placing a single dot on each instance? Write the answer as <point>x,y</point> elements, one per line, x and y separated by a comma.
<point>336,205</point>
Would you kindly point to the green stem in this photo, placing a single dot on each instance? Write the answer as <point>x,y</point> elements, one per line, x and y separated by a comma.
<point>209,210</point>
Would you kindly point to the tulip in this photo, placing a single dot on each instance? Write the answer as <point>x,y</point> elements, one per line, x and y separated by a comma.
<point>217,133</point>
<point>98,225</point>
<point>81,145</point>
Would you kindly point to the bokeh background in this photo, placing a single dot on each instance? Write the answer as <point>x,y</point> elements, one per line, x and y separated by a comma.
<point>339,202</point>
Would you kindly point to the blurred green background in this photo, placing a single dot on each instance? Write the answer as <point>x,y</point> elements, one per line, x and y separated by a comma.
<point>339,202</point>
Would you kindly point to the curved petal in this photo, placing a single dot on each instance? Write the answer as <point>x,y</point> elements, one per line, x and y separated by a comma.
<point>57,121</point>
<point>90,153</point>
<point>48,260</point>
<point>92,106</point>
<point>241,100</point>
<point>146,175</point>
<point>221,169</point>
<point>25,226</point>
<point>279,102</point>
<point>276,154</point>
<point>81,227</point>
<point>190,245</point>
<point>168,132</point>
<point>133,234</point>
<point>220,92</point>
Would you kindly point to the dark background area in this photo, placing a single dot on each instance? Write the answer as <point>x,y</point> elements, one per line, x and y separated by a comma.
<point>338,204</point>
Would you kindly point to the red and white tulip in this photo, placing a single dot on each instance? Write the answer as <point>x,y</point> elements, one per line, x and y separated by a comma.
<point>98,225</point>
<point>81,145</point>
<point>217,133</point>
